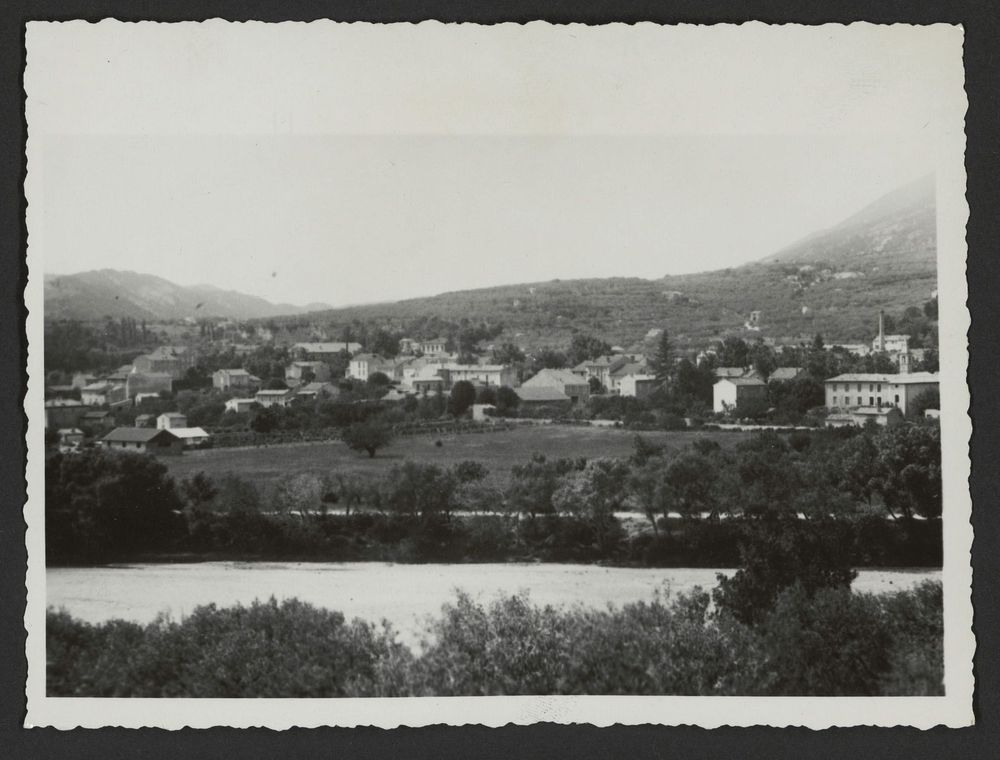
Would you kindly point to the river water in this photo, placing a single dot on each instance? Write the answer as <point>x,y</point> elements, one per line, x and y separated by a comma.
<point>405,595</point>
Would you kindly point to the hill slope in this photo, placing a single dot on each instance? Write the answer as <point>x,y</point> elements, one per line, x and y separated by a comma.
<point>834,282</point>
<point>113,293</point>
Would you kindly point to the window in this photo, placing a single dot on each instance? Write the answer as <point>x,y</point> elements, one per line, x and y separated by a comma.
<point>879,399</point>
<point>859,400</point>
<point>897,398</point>
<point>880,387</point>
<point>871,387</point>
<point>871,401</point>
<point>859,389</point>
<point>834,401</point>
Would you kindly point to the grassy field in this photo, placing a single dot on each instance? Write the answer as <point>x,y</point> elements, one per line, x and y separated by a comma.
<point>498,451</point>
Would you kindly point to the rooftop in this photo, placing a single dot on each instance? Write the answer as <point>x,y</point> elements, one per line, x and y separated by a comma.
<point>741,380</point>
<point>540,394</point>
<point>900,379</point>
<point>135,434</point>
<point>189,432</point>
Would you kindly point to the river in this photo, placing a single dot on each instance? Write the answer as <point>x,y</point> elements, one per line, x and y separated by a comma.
<point>405,595</point>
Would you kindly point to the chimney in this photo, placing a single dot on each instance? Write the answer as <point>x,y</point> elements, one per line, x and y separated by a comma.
<point>881,332</point>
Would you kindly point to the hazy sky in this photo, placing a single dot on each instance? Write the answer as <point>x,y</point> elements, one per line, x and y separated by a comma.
<point>344,181</point>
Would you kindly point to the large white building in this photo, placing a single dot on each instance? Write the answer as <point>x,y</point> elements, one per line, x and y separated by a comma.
<point>874,390</point>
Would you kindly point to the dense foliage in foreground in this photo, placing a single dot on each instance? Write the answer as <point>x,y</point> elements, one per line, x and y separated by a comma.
<point>830,642</point>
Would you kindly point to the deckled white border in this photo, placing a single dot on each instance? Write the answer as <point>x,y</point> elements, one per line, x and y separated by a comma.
<point>954,709</point>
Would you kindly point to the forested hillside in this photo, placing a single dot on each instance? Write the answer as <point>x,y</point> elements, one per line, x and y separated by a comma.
<point>834,282</point>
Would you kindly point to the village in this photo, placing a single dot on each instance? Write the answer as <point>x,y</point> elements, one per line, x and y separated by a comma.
<point>747,382</point>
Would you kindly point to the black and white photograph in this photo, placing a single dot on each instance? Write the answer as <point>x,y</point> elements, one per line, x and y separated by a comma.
<point>580,373</point>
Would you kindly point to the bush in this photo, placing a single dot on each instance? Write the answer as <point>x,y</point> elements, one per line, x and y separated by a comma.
<point>828,643</point>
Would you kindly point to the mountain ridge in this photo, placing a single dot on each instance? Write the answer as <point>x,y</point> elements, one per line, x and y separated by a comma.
<point>115,293</point>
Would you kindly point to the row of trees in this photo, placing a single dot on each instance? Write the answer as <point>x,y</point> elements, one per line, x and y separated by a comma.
<point>101,505</point>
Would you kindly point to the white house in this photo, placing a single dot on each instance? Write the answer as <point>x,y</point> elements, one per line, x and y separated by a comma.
<point>735,393</point>
<point>269,398</point>
<point>636,386</point>
<point>363,366</point>
<point>171,420</point>
<point>228,379</point>
<point>485,374</point>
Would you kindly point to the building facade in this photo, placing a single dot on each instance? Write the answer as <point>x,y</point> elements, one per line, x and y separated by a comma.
<point>872,390</point>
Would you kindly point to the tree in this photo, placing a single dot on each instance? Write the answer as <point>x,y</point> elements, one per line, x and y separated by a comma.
<point>909,470</point>
<point>548,358</point>
<point>379,380</point>
<point>595,493</point>
<point>585,347</point>
<point>508,353</point>
<point>101,506</point>
<point>733,352</point>
<point>419,490</point>
<point>507,400</point>
<point>776,555</point>
<point>463,396</point>
<point>929,399</point>
<point>662,362</point>
<point>369,435</point>
<point>595,385</point>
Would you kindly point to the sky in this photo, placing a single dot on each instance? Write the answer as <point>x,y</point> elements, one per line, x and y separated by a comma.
<point>352,165</point>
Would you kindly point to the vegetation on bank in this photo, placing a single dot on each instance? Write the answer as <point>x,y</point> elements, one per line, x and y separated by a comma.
<point>857,492</point>
<point>829,642</point>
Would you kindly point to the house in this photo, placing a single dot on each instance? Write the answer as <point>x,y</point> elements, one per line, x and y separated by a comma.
<point>298,373</point>
<point>323,352</point>
<point>887,416</point>
<point>637,386</point>
<point>892,344</point>
<point>856,390</point>
<point>408,346</point>
<point>600,368</point>
<point>169,420</point>
<point>102,393</point>
<point>147,382</point>
<point>479,374</point>
<point>855,349</point>
<point>143,441</point>
<point>145,420</point>
<point>315,390</point>
<point>269,398</point>
<point>627,369</point>
<point>191,436</point>
<point>231,379</point>
<point>160,364</point>
<point>240,405</point>
<point>434,346</point>
<point>363,366</point>
<point>63,413</point>
<point>97,419</point>
<point>70,439</point>
<point>573,386</point>
<point>784,374</point>
<point>736,393</point>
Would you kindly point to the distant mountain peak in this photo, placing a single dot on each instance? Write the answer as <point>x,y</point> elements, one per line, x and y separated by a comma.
<point>116,293</point>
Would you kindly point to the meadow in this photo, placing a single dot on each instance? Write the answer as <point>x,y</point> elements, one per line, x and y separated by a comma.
<point>497,451</point>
